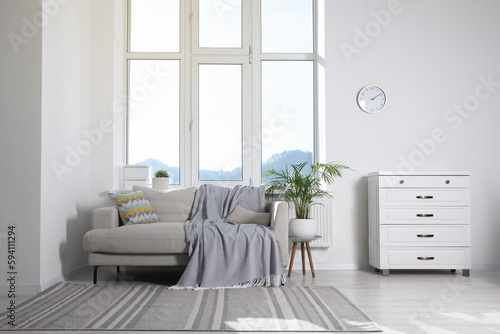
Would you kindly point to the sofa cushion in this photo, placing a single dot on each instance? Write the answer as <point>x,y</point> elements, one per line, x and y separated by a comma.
<point>134,208</point>
<point>159,238</point>
<point>243,216</point>
<point>171,206</point>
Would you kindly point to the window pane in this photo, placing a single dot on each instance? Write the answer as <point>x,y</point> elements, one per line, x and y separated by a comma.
<point>287,113</point>
<point>287,26</point>
<point>220,24</point>
<point>220,134</point>
<point>153,131</point>
<point>154,26</point>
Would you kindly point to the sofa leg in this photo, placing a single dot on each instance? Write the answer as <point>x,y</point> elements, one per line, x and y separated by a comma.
<point>95,274</point>
<point>117,269</point>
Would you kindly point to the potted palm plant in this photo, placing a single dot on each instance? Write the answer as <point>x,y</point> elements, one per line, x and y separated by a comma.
<point>161,179</point>
<point>299,185</point>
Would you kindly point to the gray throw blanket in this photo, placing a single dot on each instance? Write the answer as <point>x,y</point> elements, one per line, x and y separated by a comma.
<point>229,255</point>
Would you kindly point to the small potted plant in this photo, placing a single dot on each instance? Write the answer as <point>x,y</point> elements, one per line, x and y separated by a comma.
<point>161,179</point>
<point>299,186</point>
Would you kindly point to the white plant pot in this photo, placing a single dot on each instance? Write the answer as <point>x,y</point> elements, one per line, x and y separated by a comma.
<point>161,183</point>
<point>302,228</point>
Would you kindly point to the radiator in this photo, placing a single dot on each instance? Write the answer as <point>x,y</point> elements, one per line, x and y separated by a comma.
<point>323,214</point>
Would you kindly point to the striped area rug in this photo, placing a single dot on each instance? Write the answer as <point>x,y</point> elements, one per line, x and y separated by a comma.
<point>73,306</point>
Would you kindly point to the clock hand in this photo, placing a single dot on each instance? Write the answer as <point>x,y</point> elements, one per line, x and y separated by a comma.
<point>373,98</point>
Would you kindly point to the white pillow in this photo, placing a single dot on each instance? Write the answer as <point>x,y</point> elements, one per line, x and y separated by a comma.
<point>244,216</point>
<point>171,206</point>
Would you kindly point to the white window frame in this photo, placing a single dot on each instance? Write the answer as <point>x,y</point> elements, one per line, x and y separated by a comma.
<point>251,57</point>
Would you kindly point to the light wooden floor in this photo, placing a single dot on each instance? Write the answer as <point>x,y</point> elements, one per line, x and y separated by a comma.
<point>410,302</point>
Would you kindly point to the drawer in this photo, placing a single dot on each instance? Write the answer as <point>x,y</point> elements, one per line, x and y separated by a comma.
<point>129,184</point>
<point>424,197</point>
<point>424,181</point>
<point>136,172</point>
<point>429,215</point>
<point>425,235</point>
<point>425,258</point>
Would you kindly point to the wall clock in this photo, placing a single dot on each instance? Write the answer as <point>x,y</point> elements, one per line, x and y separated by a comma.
<point>371,99</point>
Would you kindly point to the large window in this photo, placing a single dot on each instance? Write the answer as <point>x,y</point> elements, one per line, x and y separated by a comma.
<point>221,90</point>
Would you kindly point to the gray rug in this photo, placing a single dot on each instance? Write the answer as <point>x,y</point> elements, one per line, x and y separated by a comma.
<point>72,306</point>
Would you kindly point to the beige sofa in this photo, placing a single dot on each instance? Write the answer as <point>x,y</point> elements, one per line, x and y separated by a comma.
<point>110,243</point>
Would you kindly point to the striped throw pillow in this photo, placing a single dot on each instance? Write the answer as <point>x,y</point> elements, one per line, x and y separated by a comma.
<point>134,208</point>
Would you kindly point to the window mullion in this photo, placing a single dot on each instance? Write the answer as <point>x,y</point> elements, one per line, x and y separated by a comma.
<point>248,140</point>
<point>129,11</point>
<point>154,55</point>
<point>186,101</point>
<point>194,123</point>
<point>256,119</point>
<point>256,93</point>
<point>288,56</point>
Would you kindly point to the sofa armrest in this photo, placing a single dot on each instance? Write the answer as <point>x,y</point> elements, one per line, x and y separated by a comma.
<point>105,218</point>
<point>279,224</point>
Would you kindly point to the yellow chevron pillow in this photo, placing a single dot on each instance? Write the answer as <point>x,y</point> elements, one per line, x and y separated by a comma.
<point>134,208</point>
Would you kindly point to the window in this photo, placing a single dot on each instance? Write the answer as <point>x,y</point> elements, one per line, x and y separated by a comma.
<point>287,113</point>
<point>220,116</point>
<point>154,26</point>
<point>153,117</point>
<point>221,90</point>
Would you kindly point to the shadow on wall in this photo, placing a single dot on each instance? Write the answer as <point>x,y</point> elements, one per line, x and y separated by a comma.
<point>71,253</point>
<point>360,219</point>
<point>350,198</point>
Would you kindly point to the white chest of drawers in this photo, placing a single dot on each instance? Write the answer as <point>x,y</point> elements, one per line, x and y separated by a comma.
<point>419,221</point>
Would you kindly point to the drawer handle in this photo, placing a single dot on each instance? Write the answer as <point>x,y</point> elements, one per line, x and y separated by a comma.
<point>425,235</point>
<point>425,215</point>
<point>425,197</point>
<point>401,181</point>
<point>447,182</point>
<point>425,258</point>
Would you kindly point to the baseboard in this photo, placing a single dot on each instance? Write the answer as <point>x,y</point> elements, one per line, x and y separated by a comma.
<point>485,267</point>
<point>64,277</point>
<point>366,266</point>
<point>342,266</point>
<point>332,266</point>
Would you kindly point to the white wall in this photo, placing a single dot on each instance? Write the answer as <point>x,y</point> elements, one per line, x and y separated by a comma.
<point>65,170</point>
<point>20,135</point>
<point>101,102</point>
<point>427,57</point>
<point>56,99</point>
<point>77,125</point>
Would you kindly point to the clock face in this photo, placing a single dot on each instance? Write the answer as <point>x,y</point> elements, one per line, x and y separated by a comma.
<point>371,99</point>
